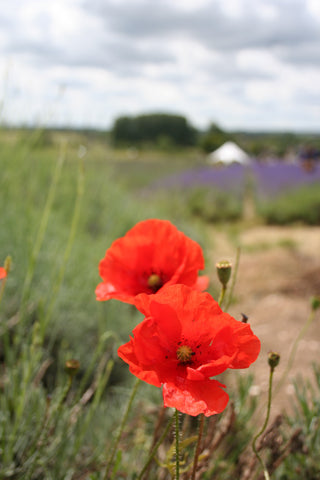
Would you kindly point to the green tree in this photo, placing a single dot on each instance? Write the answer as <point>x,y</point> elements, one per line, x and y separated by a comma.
<point>153,128</point>
<point>213,138</point>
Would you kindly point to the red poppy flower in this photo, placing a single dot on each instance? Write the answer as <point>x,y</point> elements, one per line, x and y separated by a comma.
<point>153,254</point>
<point>3,273</point>
<point>184,341</point>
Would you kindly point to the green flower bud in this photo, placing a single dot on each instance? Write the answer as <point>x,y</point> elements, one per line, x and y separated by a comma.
<point>315,303</point>
<point>7,264</point>
<point>72,366</point>
<point>273,359</point>
<point>224,271</point>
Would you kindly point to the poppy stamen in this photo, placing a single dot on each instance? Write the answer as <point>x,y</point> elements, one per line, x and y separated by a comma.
<point>155,282</point>
<point>184,354</point>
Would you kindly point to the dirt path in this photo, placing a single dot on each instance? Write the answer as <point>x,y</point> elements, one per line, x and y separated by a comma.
<point>279,271</point>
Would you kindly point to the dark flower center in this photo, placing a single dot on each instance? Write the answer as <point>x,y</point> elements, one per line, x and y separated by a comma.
<point>155,282</point>
<point>185,354</point>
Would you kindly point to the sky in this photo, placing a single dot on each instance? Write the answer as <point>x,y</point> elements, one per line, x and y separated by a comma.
<point>242,64</point>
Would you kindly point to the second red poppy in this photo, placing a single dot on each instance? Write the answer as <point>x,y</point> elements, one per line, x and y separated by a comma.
<point>152,255</point>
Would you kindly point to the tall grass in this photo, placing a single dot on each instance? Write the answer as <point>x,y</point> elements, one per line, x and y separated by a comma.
<point>301,204</point>
<point>60,211</point>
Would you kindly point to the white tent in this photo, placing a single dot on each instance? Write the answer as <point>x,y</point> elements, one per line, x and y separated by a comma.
<point>229,153</point>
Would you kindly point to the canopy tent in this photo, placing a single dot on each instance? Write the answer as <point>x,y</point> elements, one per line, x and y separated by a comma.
<point>229,153</point>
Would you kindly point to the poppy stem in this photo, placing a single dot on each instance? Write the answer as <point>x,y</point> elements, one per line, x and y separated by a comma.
<point>197,451</point>
<point>222,294</point>
<point>122,425</point>
<point>177,446</point>
<point>155,448</point>
<point>254,448</point>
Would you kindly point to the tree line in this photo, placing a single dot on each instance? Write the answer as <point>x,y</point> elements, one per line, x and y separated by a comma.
<point>160,129</point>
<point>166,131</point>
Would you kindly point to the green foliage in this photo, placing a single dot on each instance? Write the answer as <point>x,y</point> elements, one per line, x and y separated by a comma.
<point>164,130</point>
<point>213,205</point>
<point>298,205</point>
<point>304,458</point>
<point>60,213</point>
<point>213,138</point>
<point>274,144</point>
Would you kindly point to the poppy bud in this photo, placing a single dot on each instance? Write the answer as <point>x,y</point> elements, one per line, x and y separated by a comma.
<point>224,271</point>
<point>273,359</point>
<point>72,366</point>
<point>7,264</point>
<point>315,303</point>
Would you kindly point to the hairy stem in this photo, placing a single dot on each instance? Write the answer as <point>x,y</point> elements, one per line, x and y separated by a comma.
<point>155,448</point>
<point>177,446</point>
<point>122,425</point>
<point>264,426</point>
<point>197,451</point>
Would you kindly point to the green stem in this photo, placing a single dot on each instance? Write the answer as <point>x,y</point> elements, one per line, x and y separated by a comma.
<point>123,423</point>
<point>294,350</point>
<point>265,471</point>
<point>70,242</point>
<point>233,280</point>
<point>155,448</point>
<point>103,374</point>
<point>197,451</point>
<point>50,420</point>
<point>177,446</point>
<point>4,330</point>
<point>222,294</point>
<point>42,229</point>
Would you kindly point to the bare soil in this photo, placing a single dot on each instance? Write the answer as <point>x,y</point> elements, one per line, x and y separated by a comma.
<point>279,271</point>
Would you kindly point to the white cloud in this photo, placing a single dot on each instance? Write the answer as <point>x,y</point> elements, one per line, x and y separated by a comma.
<point>241,63</point>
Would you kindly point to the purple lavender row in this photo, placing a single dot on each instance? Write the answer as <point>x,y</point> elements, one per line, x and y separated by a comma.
<point>268,179</point>
<point>277,177</point>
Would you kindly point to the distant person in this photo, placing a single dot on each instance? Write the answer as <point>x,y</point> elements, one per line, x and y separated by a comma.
<point>309,158</point>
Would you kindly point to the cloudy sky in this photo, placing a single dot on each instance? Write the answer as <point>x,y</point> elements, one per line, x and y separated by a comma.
<point>244,64</point>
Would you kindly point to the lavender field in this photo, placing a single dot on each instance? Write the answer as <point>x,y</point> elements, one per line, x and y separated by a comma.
<point>267,179</point>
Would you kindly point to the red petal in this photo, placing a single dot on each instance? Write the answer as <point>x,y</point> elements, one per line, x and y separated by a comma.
<point>3,273</point>
<point>202,283</point>
<point>128,354</point>
<point>106,291</point>
<point>247,344</point>
<point>194,398</point>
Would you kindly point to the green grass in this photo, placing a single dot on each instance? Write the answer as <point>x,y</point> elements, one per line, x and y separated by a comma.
<point>301,205</point>
<point>65,270</point>
<point>59,215</point>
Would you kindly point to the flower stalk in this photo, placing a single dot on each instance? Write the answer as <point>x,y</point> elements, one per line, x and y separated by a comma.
<point>155,448</point>
<point>197,450</point>
<point>122,425</point>
<point>177,446</point>
<point>273,360</point>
